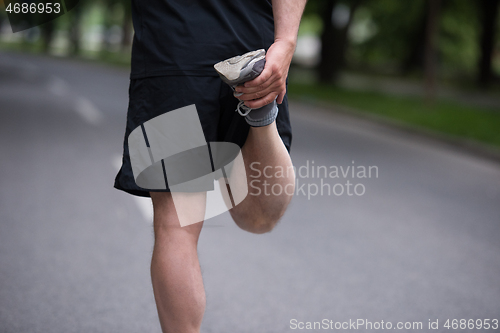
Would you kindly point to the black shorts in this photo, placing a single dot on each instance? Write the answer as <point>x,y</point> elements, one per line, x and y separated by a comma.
<point>215,104</point>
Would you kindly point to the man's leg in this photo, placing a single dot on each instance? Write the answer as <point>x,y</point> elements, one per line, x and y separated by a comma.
<point>175,270</point>
<point>260,213</point>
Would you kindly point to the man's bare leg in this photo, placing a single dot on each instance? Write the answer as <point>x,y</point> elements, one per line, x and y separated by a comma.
<point>260,213</point>
<point>175,270</point>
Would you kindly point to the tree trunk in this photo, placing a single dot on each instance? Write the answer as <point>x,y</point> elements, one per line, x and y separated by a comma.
<point>47,32</point>
<point>105,45</point>
<point>127,27</point>
<point>334,42</point>
<point>415,58</point>
<point>489,15</point>
<point>327,67</point>
<point>75,30</point>
<point>432,32</point>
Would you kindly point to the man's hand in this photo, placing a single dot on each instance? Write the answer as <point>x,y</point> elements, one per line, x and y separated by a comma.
<point>271,82</point>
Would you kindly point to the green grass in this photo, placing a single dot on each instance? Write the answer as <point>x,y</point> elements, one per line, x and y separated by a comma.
<point>469,122</point>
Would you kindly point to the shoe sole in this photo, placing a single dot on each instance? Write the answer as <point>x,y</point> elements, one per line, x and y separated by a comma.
<point>239,69</point>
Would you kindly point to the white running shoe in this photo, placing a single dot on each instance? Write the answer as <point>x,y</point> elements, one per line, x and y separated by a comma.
<point>240,69</point>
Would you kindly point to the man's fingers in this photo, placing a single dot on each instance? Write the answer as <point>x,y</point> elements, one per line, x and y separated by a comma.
<point>280,97</point>
<point>258,103</point>
<point>255,95</point>
<point>269,84</point>
<point>262,90</point>
<point>273,83</point>
<point>247,94</point>
<point>263,77</point>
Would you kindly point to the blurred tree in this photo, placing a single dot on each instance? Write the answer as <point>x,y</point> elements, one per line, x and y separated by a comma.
<point>409,37</point>
<point>458,35</point>
<point>127,26</point>
<point>47,34</point>
<point>3,15</point>
<point>337,18</point>
<point>75,28</point>
<point>107,23</point>
<point>414,60</point>
<point>398,43</point>
<point>70,4</point>
<point>327,67</point>
<point>118,13</point>
<point>488,17</point>
<point>432,31</point>
<point>398,39</point>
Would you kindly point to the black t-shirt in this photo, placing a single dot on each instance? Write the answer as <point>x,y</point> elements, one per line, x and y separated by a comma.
<point>187,37</point>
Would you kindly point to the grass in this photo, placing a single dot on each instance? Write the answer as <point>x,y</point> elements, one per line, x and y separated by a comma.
<point>480,124</point>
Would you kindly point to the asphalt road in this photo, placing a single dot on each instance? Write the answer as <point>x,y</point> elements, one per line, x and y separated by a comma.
<point>419,241</point>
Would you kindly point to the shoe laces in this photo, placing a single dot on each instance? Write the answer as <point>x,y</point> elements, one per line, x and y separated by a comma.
<point>242,106</point>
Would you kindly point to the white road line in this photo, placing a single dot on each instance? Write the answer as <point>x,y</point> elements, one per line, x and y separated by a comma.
<point>83,106</point>
<point>58,86</point>
<point>87,110</point>
<point>144,204</point>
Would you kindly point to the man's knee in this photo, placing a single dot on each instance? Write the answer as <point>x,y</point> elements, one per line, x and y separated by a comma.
<point>258,222</point>
<point>166,222</point>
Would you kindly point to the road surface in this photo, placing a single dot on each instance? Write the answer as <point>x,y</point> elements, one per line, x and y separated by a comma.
<point>418,239</point>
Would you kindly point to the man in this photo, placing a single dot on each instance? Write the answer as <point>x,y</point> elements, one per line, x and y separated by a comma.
<point>176,44</point>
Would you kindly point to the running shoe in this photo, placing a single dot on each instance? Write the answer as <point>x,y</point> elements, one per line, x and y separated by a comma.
<point>240,69</point>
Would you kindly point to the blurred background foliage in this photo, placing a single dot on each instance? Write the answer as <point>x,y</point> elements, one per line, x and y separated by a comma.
<point>406,58</point>
<point>392,37</point>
